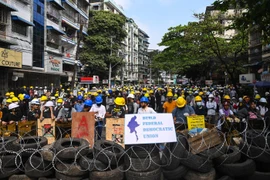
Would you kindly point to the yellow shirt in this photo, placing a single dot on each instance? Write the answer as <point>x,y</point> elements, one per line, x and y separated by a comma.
<point>169,107</point>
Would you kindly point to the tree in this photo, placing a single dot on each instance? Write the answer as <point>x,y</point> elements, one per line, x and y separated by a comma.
<point>254,12</point>
<point>197,44</point>
<point>106,34</point>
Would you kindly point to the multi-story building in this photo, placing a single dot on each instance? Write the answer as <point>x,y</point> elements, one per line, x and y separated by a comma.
<point>39,40</point>
<point>132,70</point>
<point>16,29</point>
<point>144,60</point>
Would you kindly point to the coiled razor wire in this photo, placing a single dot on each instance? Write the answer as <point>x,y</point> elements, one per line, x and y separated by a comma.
<point>165,158</point>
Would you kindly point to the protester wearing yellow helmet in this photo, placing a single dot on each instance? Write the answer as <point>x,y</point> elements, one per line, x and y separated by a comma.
<point>198,107</point>
<point>181,112</point>
<point>118,110</point>
<point>169,105</point>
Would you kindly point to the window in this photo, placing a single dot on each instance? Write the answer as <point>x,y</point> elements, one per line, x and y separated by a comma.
<point>3,16</point>
<point>39,9</point>
<point>20,29</point>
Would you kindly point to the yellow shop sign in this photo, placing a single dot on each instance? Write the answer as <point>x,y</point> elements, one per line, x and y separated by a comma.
<point>10,58</point>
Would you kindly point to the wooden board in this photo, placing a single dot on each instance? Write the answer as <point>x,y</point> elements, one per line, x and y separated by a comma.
<point>83,126</point>
<point>115,130</point>
<point>46,128</point>
<point>27,128</point>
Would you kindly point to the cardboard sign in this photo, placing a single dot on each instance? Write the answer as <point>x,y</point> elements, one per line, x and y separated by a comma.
<point>115,130</point>
<point>46,128</point>
<point>83,126</point>
<point>149,128</point>
<point>195,122</point>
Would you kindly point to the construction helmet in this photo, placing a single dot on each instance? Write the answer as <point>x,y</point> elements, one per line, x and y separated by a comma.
<point>11,93</point>
<point>144,89</point>
<point>56,95</point>
<point>151,92</point>
<point>99,100</point>
<point>198,98</point>
<point>119,101</point>
<point>257,97</point>
<point>15,99</point>
<point>146,95</point>
<point>263,100</point>
<point>60,100</point>
<point>7,94</point>
<point>175,95</point>
<point>9,101</point>
<point>181,102</point>
<point>43,98</point>
<point>201,93</point>
<point>88,102</point>
<point>144,99</point>
<point>170,94</point>
<point>227,97</point>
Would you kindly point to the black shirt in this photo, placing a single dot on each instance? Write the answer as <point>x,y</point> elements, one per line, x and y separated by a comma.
<point>32,115</point>
<point>117,113</point>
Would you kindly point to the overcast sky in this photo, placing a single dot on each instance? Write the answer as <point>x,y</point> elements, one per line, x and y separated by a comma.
<point>156,16</point>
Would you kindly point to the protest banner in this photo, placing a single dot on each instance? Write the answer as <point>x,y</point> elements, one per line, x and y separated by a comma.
<point>115,130</point>
<point>83,126</point>
<point>195,122</point>
<point>149,128</point>
<point>46,128</point>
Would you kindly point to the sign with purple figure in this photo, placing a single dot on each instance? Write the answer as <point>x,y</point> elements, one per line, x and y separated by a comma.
<point>149,128</point>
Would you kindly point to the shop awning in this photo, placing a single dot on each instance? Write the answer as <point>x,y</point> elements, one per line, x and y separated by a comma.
<point>6,5</point>
<point>21,20</point>
<point>56,30</point>
<point>253,64</point>
<point>57,4</point>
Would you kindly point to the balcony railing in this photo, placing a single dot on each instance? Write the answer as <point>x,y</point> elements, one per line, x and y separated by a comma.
<point>53,40</point>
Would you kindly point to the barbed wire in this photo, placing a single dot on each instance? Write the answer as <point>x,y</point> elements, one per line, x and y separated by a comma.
<point>102,158</point>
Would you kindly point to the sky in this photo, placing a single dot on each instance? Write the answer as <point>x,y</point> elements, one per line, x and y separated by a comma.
<point>156,16</point>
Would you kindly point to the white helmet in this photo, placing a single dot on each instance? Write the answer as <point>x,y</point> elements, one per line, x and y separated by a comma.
<point>267,93</point>
<point>12,106</point>
<point>35,101</point>
<point>240,99</point>
<point>49,104</point>
<point>263,100</point>
<point>131,96</point>
<point>211,96</point>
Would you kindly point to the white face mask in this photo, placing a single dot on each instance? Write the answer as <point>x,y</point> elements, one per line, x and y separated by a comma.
<point>199,103</point>
<point>59,104</point>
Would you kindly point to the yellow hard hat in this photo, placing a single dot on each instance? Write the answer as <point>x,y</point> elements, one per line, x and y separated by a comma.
<point>56,95</point>
<point>169,90</point>
<point>31,87</point>
<point>9,101</point>
<point>60,100</point>
<point>227,97</point>
<point>79,93</point>
<point>43,98</point>
<point>257,97</point>
<point>151,92</point>
<point>24,87</point>
<point>146,95</point>
<point>12,96</point>
<point>132,92</point>
<point>201,93</point>
<point>169,94</point>
<point>181,102</point>
<point>7,94</point>
<point>11,93</point>
<point>99,91</point>
<point>119,101</point>
<point>175,95</point>
<point>144,89</point>
<point>95,94</point>
<point>68,89</point>
<point>198,98</point>
<point>15,99</point>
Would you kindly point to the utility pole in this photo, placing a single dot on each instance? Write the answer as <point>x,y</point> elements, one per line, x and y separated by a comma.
<point>79,37</point>
<point>110,66</point>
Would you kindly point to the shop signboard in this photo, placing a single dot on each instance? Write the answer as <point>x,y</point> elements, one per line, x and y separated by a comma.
<point>10,58</point>
<point>54,65</point>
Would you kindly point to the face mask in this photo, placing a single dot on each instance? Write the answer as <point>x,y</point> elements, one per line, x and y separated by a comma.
<point>199,103</point>
<point>98,105</point>
<point>59,104</point>
<point>170,99</point>
<point>66,109</point>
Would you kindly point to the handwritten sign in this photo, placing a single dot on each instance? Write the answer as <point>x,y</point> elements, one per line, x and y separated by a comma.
<point>195,122</point>
<point>46,128</point>
<point>83,126</point>
<point>115,130</point>
<point>149,128</point>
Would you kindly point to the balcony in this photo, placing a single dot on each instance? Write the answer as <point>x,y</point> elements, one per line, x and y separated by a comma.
<point>69,40</point>
<point>53,14</point>
<point>53,40</point>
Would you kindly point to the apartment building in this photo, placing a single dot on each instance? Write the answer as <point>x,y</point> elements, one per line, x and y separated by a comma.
<point>133,69</point>
<point>144,60</point>
<point>16,29</point>
<point>39,40</point>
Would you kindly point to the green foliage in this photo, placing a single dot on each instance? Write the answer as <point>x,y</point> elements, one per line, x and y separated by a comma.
<point>255,12</point>
<point>201,45</point>
<point>106,32</point>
